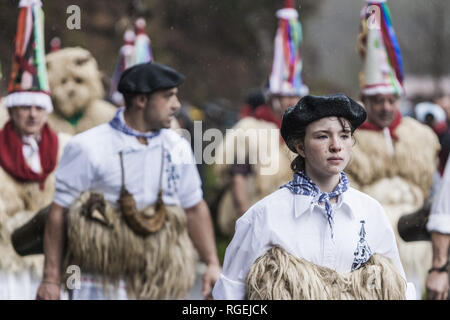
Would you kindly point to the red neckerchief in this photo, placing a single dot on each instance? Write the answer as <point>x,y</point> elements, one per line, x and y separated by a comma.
<point>370,126</point>
<point>266,113</point>
<point>246,111</point>
<point>13,161</point>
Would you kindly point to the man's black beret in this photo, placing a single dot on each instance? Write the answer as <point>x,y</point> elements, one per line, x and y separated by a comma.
<point>148,78</point>
<point>311,108</point>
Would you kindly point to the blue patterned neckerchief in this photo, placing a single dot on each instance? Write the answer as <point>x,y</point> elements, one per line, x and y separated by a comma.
<point>303,185</point>
<point>118,123</point>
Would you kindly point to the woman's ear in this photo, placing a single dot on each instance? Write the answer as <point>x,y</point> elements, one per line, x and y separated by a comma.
<point>300,149</point>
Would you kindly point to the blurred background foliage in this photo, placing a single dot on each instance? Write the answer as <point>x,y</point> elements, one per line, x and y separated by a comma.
<point>223,47</point>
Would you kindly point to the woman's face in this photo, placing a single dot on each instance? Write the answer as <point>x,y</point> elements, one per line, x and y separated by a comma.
<point>327,147</point>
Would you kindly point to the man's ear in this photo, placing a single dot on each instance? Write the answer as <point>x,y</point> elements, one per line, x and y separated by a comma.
<point>141,100</point>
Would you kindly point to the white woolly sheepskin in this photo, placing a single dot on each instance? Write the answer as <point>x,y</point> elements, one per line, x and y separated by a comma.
<point>19,202</point>
<point>159,266</point>
<point>278,275</point>
<point>75,85</point>
<point>415,156</point>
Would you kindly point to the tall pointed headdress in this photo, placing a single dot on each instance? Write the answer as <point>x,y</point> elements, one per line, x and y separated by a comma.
<point>142,43</point>
<point>28,84</point>
<point>127,59</point>
<point>378,47</point>
<point>285,77</point>
<point>136,49</point>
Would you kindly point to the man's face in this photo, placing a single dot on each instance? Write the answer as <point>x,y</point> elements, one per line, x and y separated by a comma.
<point>28,120</point>
<point>161,108</point>
<point>381,109</point>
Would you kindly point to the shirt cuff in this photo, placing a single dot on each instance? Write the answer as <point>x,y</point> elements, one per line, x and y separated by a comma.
<point>192,199</point>
<point>439,222</point>
<point>64,199</point>
<point>410,291</point>
<point>226,289</point>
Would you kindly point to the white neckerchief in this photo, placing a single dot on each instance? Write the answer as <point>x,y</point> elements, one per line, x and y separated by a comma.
<point>389,143</point>
<point>30,150</point>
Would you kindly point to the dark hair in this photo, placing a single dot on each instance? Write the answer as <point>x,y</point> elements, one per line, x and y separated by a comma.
<point>128,98</point>
<point>255,98</point>
<point>298,164</point>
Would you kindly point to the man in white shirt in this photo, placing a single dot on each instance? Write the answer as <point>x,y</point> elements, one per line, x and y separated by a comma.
<point>137,152</point>
<point>439,225</point>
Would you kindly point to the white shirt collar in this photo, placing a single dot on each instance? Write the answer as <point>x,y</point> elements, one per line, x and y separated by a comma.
<point>130,143</point>
<point>304,203</point>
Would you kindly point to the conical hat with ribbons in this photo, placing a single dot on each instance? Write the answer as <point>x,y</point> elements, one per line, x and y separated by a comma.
<point>28,84</point>
<point>285,77</point>
<point>379,49</point>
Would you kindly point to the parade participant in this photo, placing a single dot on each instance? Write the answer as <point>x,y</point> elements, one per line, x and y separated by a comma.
<point>127,58</point>
<point>143,49</point>
<point>30,151</point>
<point>316,233</point>
<point>132,197</point>
<point>76,91</point>
<point>248,182</point>
<point>254,99</point>
<point>395,158</point>
<point>437,283</point>
<point>136,49</point>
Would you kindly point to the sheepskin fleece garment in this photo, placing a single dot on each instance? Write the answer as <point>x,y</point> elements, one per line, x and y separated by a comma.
<point>96,113</point>
<point>400,183</point>
<point>259,184</point>
<point>415,158</point>
<point>19,202</point>
<point>159,266</point>
<point>76,86</point>
<point>278,275</point>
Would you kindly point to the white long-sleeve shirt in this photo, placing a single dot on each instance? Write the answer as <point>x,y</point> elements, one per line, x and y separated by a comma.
<point>439,219</point>
<point>91,162</point>
<point>298,225</point>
